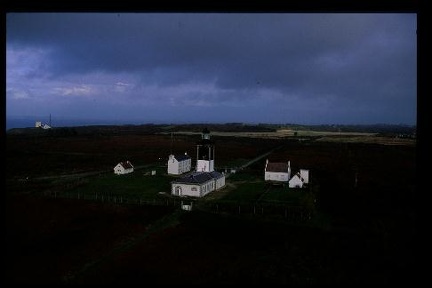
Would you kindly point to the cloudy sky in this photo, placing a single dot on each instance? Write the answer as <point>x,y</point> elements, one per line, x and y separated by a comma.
<point>313,68</point>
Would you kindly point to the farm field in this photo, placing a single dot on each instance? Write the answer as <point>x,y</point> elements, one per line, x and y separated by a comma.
<point>324,136</point>
<point>362,230</point>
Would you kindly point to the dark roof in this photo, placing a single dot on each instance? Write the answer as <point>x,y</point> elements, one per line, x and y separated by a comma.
<point>199,177</point>
<point>216,175</point>
<point>277,167</point>
<point>205,131</point>
<point>182,157</point>
<point>299,176</point>
<point>126,164</point>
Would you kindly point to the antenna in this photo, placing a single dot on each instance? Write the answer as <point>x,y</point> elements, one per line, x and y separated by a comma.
<point>50,121</point>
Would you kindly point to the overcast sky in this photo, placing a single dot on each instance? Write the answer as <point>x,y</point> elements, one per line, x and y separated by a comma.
<point>314,68</point>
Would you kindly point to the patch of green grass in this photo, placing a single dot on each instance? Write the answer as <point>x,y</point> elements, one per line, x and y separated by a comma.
<point>243,176</point>
<point>283,194</point>
<point>232,162</point>
<point>245,192</point>
<point>138,184</point>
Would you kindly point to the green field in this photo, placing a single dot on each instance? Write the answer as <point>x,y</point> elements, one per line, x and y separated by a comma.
<point>245,188</point>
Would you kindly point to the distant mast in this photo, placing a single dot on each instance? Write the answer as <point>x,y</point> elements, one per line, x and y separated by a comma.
<point>50,121</point>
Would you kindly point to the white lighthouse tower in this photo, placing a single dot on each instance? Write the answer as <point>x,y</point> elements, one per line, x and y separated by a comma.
<point>205,153</point>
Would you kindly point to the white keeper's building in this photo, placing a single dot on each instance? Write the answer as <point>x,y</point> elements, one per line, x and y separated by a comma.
<point>179,164</point>
<point>204,179</point>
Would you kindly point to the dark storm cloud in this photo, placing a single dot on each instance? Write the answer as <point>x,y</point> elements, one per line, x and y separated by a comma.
<point>349,59</point>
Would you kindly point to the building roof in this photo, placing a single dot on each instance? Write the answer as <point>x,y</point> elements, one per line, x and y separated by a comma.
<point>216,175</point>
<point>199,177</point>
<point>296,177</point>
<point>182,157</point>
<point>126,164</point>
<point>277,167</point>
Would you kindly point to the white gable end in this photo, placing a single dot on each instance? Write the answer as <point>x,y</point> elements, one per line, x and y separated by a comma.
<point>296,182</point>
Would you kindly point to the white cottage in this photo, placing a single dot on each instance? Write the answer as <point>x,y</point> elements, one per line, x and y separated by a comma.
<point>123,168</point>
<point>299,179</point>
<point>198,184</point>
<point>179,164</point>
<point>277,172</point>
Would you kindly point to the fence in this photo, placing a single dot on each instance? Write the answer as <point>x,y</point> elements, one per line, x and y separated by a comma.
<point>273,210</point>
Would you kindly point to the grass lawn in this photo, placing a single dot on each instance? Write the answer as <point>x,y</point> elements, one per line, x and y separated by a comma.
<point>139,184</point>
<point>283,194</point>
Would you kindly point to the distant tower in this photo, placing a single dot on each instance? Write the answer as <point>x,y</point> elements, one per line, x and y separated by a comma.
<point>205,153</point>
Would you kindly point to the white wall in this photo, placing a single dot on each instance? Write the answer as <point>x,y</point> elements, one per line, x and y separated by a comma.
<point>295,182</point>
<point>205,166</point>
<point>185,166</point>
<point>119,169</point>
<point>173,167</point>
<point>185,189</point>
<point>276,176</point>
<point>196,190</point>
<point>305,175</point>
<point>220,183</point>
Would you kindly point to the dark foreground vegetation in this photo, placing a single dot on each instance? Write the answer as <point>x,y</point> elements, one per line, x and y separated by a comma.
<point>362,232</point>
